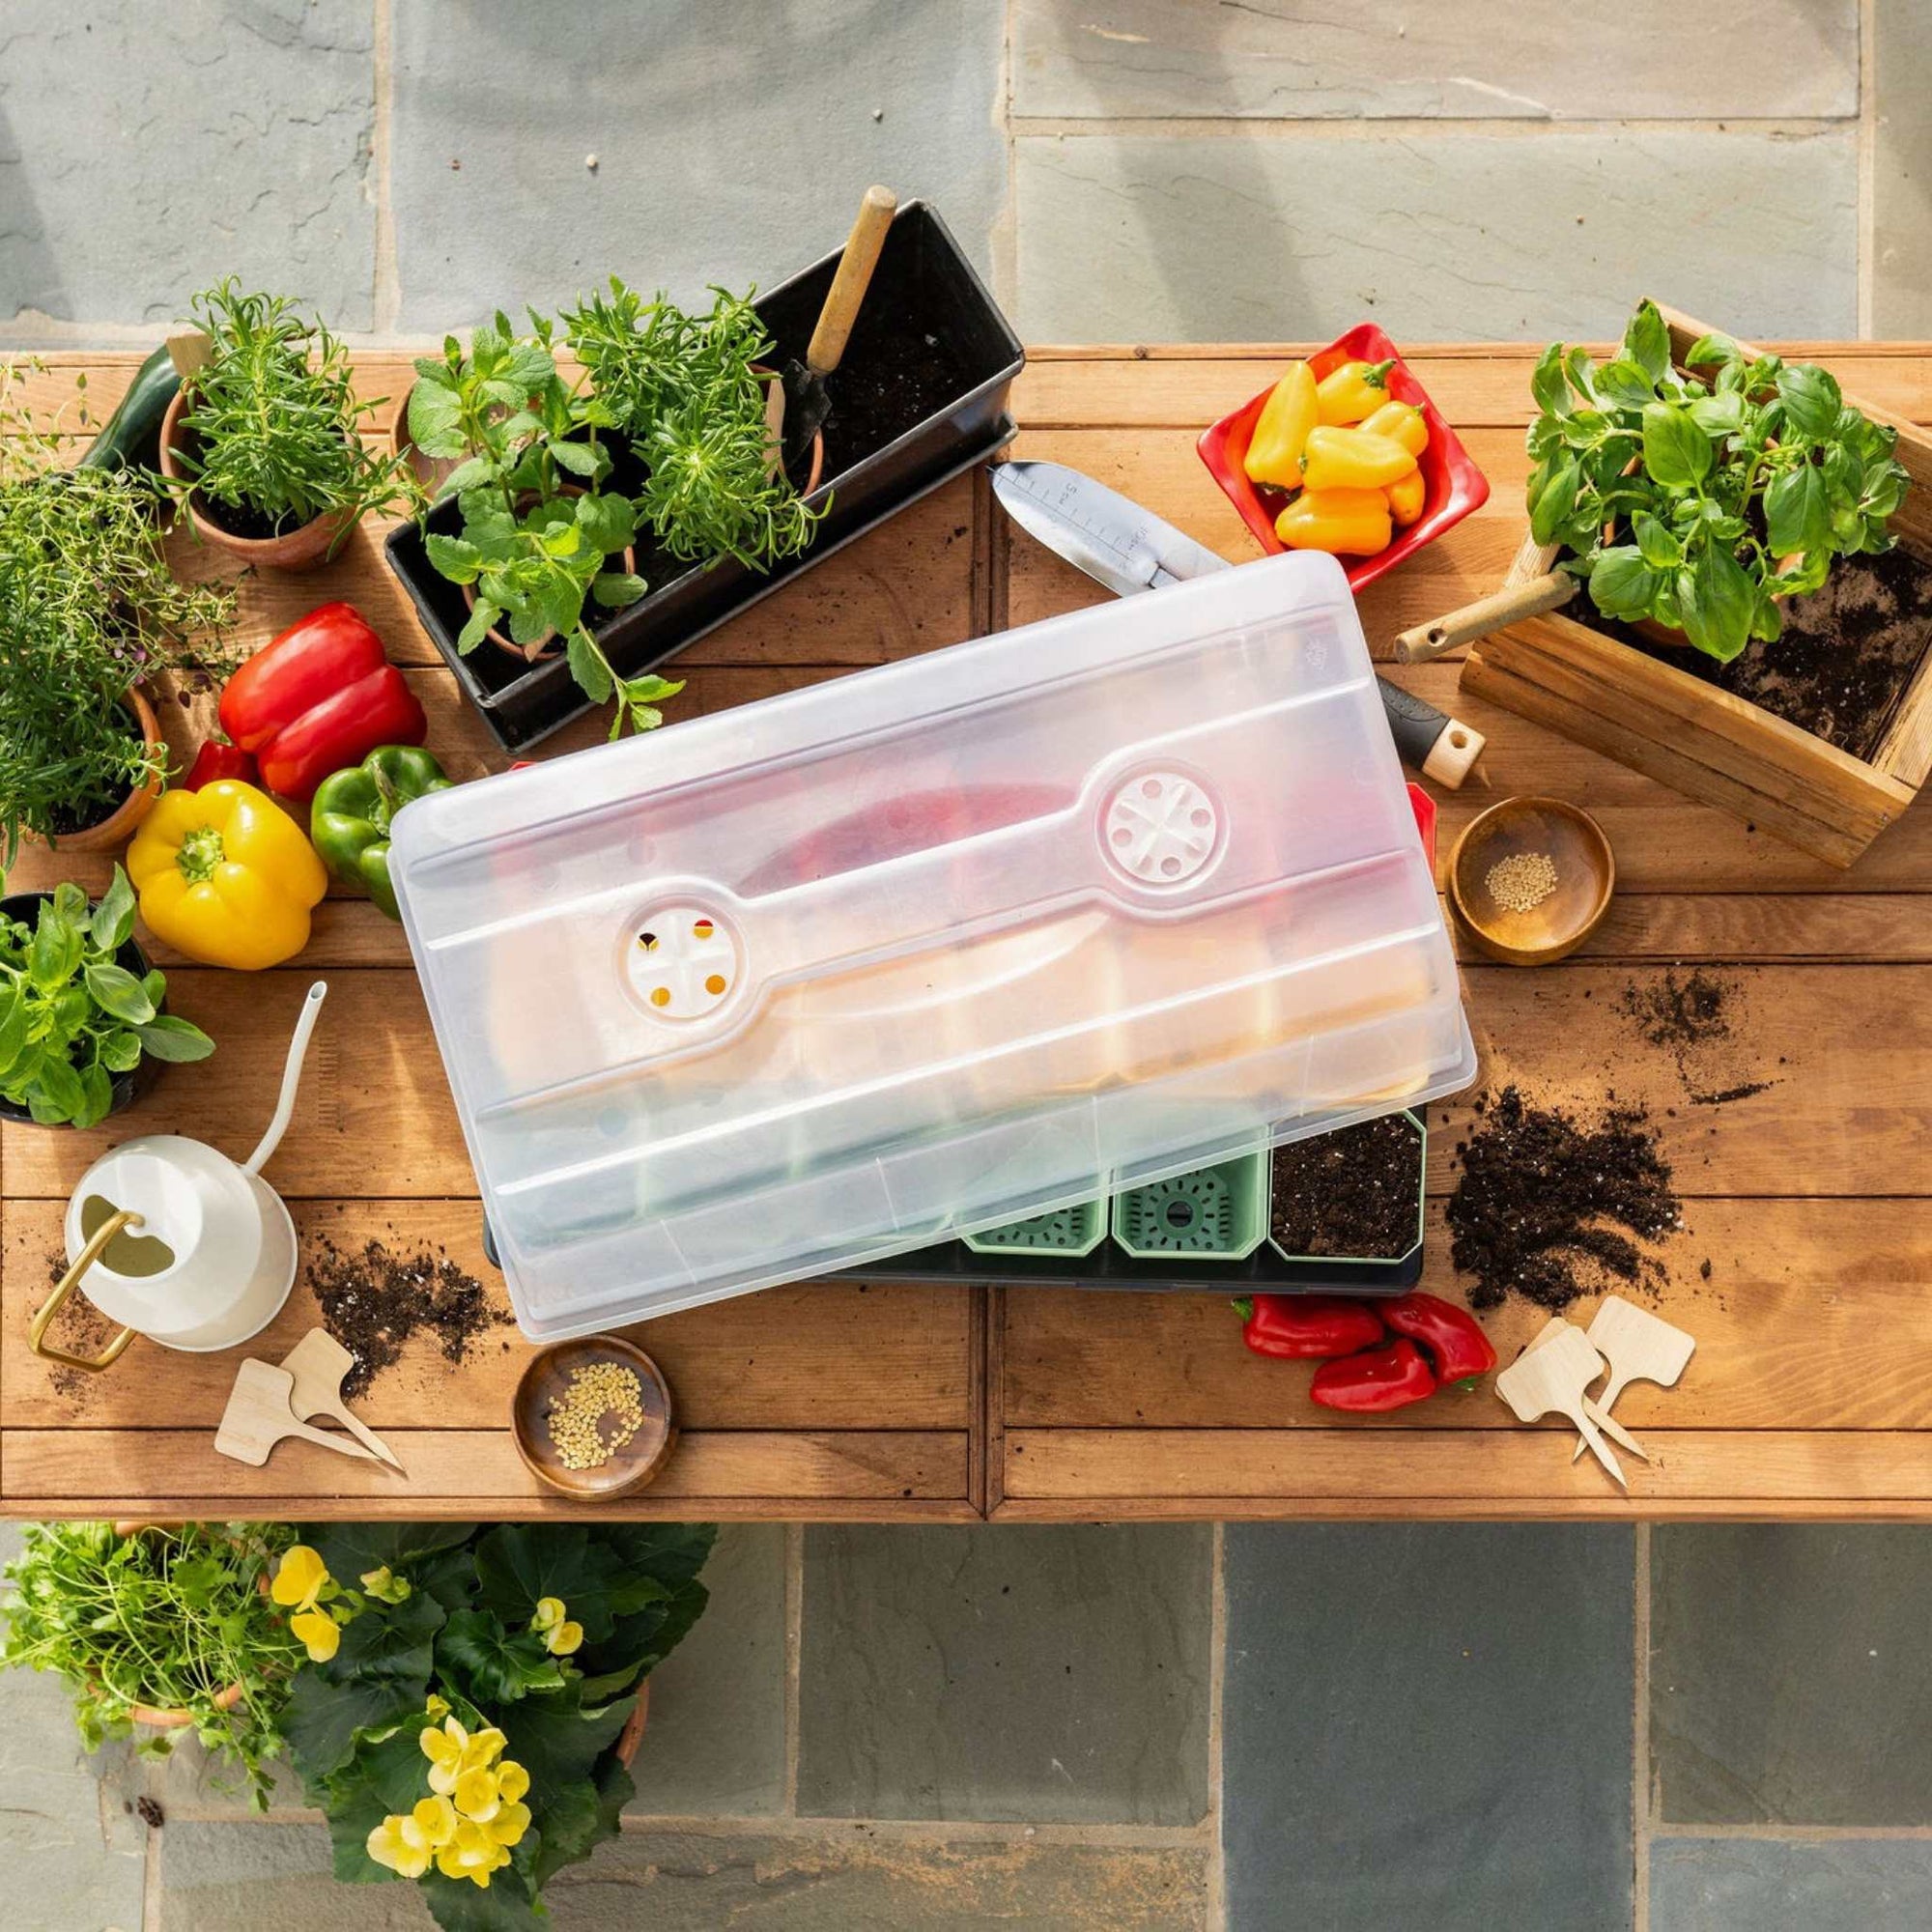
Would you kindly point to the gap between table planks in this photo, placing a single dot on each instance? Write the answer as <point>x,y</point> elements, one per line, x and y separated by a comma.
<point>899,1400</point>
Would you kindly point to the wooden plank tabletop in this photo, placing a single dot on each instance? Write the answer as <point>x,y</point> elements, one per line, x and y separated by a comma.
<point>1811,1390</point>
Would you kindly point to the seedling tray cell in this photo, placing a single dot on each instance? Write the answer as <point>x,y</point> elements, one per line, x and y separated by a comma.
<point>1068,1231</point>
<point>1215,1214</point>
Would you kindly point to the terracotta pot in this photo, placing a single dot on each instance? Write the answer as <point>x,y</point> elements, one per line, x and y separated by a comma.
<point>296,550</point>
<point>431,471</point>
<point>632,1733</point>
<point>114,830</point>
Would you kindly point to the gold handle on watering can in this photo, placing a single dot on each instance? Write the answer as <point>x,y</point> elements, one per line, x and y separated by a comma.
<point>96,1246</point>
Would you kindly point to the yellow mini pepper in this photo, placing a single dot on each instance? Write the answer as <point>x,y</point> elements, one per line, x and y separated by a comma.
<point>1354,523</point>
<point>1406,497</point>
<point>1274,450</point>
<point>1352,459</point>
<point>1400,423</point>
<point>226,876</point>
<point>1352,391</point>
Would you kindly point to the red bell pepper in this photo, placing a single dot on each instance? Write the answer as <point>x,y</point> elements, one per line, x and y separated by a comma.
<point>321,696</point>
<point>217,759</point>
<point>1454,1341</point>
<point>1375,1382</point>
<point>1307,1327</point>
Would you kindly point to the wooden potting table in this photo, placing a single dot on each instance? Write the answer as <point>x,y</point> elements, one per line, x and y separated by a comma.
<point>1811,1394</point>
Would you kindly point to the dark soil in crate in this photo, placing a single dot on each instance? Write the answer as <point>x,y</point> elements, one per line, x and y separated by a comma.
<point>893,377</point>
<point>1350,1193</point>
<point>1847,653</point>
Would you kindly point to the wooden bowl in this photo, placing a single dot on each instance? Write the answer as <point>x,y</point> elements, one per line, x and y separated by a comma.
<point>1586,875</point>
<point>544,1383</point>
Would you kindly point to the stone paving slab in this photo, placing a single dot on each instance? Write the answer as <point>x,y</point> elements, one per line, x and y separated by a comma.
<point>1437,237</point>
<point>225,1877</point>
<point>1790,1680</point>
<point>1427,1727</point>
<point>732,138</point>
<point>72,1851</point>
<point>1768,1885</point>
<point>1001,1672</point>
<point>714,1744</point>
<point>145,151</point>
<point>1902,172</point>
<point>1482,59</point>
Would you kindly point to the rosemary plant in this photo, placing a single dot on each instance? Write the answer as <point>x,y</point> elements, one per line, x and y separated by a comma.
<point>684,390</point>
<point>275,421</point>
<point>88,607</point>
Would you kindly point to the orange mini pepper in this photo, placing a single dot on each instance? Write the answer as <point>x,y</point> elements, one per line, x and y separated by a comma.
<point>1354,523</point>
<point>1352,459</point>
<point>1353,390</point>
<point>1274,450</point>
<point>1400,423</point>
<point>1406,497</point>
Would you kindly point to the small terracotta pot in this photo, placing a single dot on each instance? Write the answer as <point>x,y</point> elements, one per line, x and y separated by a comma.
<point>114,830</point>
<point>632,1733</point>
<point>431,471</point>
<point>296,550</point>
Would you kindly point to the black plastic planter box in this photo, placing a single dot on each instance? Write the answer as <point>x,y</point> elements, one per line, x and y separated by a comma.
<point>926,307</point>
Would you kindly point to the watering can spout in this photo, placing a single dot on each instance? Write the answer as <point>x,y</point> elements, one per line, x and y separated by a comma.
<point>285,1103</point>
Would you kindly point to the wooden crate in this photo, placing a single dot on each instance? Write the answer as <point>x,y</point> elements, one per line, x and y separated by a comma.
<point>1703,741</point>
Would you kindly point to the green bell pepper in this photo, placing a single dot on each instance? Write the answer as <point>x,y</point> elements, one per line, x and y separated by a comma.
<point>349,821</point>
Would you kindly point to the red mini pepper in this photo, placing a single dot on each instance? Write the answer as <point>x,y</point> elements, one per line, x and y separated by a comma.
<point>320,698</point>
<point>1375,1382</point>
<point>1456,1345</point>
<point>217,759</point>
<point>1307,1327</point>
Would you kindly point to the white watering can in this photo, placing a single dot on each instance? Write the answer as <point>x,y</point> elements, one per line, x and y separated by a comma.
<point>174,1241</point>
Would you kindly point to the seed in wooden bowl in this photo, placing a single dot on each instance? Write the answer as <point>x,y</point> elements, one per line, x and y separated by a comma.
<point>575,1419</point>
<point>1522,882</point>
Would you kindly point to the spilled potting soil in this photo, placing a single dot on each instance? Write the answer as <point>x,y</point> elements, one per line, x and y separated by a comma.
<point>374,1302</point>
<point>1552,1208</point>
<point>1352,1192</point>
<point>81,1329</point>
<point>1701,1022</point>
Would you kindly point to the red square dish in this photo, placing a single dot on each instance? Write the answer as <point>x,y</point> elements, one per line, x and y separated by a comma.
<point>1452,484</point>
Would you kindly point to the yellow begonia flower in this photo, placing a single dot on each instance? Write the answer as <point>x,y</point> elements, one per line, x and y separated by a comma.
<point>445,1747</point>
<point>564,1639</point>
<point>384,1587</point>
<point>406,1843</point>
<point>300,1579</point>
<point>471,1854</point>
<point>436,1706</point>
<point>550,1613</point>
<point>512,1780</point>
<point>319,1631</point>
<point>508,1825</point>
<point>475,1794</point>
<point>485,1747</point>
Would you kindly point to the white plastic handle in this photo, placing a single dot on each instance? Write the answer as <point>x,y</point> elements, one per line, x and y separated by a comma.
<point>285,1104</point>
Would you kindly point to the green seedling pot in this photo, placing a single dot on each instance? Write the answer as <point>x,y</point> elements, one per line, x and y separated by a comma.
<point>1068,1231</point>
<point>1366,1260</point>
<point>1212,1213</point>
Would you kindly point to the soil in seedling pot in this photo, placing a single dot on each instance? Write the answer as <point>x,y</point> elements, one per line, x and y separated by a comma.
<point>1551,1208</point>
<point>1847,653</point>
<point>1350,1193</point>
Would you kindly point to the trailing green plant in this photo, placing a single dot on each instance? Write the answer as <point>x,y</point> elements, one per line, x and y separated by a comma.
<point>72,1017</point>
<point>461,1731</point>
<point>1698,498</point>
<point>168,1618</point>
<point>275,421</point>
<point>88,608</point>
<point>684,390</point>
<point>538,528</point>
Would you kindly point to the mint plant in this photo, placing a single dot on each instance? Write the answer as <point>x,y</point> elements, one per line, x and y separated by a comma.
<point>1699,498</point>
<point>539,531</point>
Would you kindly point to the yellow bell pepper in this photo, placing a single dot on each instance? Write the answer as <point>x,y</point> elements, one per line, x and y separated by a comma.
<point>1274,450</point>
<point>1341,521</point>
<point>1400,423</point>
<point>1406,497</point>
<point>1352,459</point>
<point>226,876</point>
<point>1353,390</point>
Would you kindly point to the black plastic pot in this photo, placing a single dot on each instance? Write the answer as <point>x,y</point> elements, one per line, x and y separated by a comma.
<point>928,307</point>
<point>128,1087</point>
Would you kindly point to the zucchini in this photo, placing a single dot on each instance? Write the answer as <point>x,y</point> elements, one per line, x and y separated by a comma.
<point>132,434</point>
